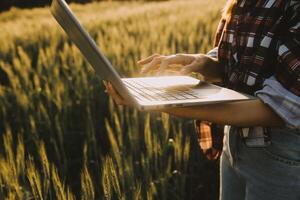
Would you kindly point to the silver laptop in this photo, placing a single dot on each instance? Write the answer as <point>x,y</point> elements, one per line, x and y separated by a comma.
<point>145,93</point>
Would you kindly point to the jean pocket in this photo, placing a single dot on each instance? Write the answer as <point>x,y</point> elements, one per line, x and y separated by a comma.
<point>285,146</point>
<point>285,156</point>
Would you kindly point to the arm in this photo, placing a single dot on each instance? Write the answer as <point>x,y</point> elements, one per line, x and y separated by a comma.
<point>276,106</point>
<point>282,101</point>
<point>242,114</point>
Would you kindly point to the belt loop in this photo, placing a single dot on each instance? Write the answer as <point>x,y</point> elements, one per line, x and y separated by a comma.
<point>256,136</point>
<point>245,132</point>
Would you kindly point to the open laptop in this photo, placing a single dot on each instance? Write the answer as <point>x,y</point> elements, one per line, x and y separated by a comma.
<point>145,93</point>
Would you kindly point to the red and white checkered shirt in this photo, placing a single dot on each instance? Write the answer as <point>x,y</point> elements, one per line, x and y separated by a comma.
<point>262,39</point>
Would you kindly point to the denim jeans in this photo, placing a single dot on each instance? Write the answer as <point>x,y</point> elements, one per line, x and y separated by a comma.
<point>261,173</point>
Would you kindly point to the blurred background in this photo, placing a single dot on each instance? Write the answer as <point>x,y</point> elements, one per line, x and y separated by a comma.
<point>7,4</point>
<point>63,138</point>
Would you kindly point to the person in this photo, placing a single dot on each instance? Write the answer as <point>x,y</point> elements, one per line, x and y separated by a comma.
<point>257,51</point>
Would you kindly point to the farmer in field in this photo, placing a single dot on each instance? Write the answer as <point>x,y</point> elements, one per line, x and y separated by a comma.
<point>257,51</point>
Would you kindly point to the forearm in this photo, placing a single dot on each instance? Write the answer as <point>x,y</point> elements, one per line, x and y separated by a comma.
<point>242,114</point>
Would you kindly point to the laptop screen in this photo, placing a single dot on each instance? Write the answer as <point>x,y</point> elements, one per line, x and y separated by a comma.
<point>103,68</point>
<point>82,39</point>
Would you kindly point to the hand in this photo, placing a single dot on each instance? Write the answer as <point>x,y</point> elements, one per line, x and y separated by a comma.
<point>109,89</point>
<point>183,64</point>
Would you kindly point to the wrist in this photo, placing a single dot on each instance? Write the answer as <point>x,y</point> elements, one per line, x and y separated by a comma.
<point>212,69</point>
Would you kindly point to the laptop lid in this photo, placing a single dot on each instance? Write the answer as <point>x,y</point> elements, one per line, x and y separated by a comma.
<point>103,68</point>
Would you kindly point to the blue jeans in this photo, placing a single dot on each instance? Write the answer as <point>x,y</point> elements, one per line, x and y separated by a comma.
<point>261,173</point>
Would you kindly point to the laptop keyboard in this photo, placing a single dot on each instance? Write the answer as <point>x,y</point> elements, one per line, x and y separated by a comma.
<point>143,89</point>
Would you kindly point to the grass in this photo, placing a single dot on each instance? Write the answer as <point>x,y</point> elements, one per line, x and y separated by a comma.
<point>62,138</point>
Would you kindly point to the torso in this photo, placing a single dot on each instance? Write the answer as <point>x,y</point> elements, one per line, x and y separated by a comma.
<point>247,47</point>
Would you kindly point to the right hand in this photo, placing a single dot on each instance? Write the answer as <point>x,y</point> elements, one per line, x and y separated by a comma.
<point>185,64</point>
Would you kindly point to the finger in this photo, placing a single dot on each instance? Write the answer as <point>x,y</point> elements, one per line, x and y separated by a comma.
<point>148,59</point>
<point>152,65</point>
<point>170,60</point>
<point>112,91</point>
<point>193,67</point>
<point>169,72</point>
<point>114,94</point>
<point>104,83</point>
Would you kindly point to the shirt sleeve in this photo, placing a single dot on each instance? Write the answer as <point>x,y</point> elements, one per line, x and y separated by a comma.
<point>282,101</point>
<point>213,53</point>
<point>288,49</point>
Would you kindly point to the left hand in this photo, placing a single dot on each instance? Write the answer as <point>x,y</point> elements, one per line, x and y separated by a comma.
<point>111,91</point>
<point>183,64</point>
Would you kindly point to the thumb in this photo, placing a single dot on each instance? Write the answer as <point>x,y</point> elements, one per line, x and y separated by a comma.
<point>193,67</point>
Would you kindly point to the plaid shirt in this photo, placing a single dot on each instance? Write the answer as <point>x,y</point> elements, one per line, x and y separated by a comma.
<point>262,39</point>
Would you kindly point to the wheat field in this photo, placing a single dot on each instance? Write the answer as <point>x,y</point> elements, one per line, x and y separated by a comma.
<point>63,138</point>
